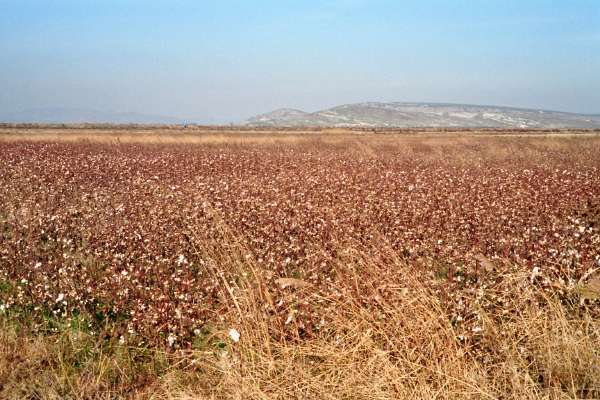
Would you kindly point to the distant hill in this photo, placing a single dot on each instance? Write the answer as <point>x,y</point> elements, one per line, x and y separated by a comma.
<point>426,115</point>
<point>80,115</point>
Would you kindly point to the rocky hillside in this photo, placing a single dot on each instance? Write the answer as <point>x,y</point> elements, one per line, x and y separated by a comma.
<point>426,115</point>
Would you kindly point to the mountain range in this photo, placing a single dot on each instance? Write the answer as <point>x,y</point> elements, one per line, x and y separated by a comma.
<point>371,114</point>
<point>81,115</point>
<point>411,115</point>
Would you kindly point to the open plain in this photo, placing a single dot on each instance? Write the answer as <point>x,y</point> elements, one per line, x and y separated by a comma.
<point>273,264</point>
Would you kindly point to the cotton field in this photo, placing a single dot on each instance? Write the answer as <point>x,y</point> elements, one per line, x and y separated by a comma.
<point>146,234</point>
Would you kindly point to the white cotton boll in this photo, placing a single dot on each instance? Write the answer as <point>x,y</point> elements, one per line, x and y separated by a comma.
<point>234,335</point>
<point>171,340</point>
<point>535,273</point>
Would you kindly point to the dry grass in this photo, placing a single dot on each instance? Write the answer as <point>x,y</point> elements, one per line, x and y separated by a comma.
<point>267,137</point>
<point>388,326</point>
<point>144,137</point>
<point>537,346</point>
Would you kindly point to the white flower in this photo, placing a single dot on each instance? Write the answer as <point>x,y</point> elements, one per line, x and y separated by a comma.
<point>60,298</point>
<point>234,335</point>
<point>477,329</point>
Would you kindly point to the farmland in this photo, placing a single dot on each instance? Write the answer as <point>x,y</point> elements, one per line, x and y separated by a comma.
<point>374,266</point>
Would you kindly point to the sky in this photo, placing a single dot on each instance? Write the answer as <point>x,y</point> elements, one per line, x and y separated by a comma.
<point>224,61</point>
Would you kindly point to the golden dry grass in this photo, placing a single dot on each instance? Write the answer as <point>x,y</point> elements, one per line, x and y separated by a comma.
<point>266,137</point>
<point>537,346</point>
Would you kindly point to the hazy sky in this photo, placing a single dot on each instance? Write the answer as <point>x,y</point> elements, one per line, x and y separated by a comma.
<point>215,61</point>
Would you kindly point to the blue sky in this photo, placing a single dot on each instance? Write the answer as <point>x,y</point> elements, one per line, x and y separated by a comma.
<point>226,60</point>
